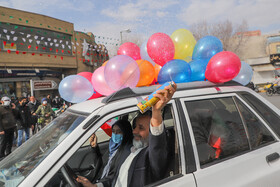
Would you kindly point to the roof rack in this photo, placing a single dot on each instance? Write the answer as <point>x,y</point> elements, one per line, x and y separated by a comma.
<point>139,91</point>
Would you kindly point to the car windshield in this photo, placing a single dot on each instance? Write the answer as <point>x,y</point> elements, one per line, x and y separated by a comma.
<point>27,157</point>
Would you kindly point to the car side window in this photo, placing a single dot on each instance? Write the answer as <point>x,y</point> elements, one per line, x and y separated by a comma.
<point>257,132</point>
<point>264,111</point>
<point>218,129</point>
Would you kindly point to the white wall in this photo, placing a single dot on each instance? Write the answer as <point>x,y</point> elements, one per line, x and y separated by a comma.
<point>262,77</point>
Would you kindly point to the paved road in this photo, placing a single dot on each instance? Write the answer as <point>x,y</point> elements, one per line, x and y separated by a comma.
<point>274,99</point>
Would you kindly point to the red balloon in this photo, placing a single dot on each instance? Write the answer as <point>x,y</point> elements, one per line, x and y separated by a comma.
<point>160,48</point>
<point>130,49</point>
<point>223,67</point>
<point>88,76</point>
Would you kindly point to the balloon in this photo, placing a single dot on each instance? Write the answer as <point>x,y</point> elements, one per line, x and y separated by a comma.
<point>207,47</point>
<point>147,73</point>
<point>245,75</point>
<point>105,63</point>
<point>75,89</point>
<point>184,43</point>
<point>121,71</point>
<point>198,68</point>
<point>175,70</point>
<point>144,54</point>
<point>99,83</point>
<point>157,69</point>
<point>130,49</point>
<point>223,67</point>
<point>160,48</point>
<point>88,76</point>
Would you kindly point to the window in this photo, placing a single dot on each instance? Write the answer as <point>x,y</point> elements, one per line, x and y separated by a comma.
<point>257,133</point>
<point>90,162</point>
<point>264,111</point>
<point>218,129</point>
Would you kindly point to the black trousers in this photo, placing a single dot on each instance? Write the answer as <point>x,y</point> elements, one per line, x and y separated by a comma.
<point>6,142</point>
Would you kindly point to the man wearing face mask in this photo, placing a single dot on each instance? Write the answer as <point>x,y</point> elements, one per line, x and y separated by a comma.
<point>24,120</point>
<point>7,126</point>
<point>44,112</point>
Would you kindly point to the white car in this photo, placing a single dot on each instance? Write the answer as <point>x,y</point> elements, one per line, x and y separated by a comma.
<point>218,135</point>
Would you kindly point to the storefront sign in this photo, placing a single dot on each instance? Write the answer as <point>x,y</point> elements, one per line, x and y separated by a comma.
<point>11,47</point>
<point>44,85</point>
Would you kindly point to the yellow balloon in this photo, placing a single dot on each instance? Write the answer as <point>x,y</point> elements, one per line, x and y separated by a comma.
<point>184,43</point>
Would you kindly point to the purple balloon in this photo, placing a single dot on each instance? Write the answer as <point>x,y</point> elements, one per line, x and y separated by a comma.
<point>121,71</point>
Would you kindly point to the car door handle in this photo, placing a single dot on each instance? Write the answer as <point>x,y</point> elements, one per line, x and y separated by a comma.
<point>272,157</point>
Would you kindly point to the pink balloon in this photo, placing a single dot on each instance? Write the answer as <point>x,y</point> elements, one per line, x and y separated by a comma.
<point>223,67</point>
<point>99,83</point>
<point>160,48</point>
<point>130,49</point>
<point>88,76</point>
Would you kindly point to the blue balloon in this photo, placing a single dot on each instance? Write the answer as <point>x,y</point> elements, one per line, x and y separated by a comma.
<point>75,89</point>
<point>175,70</point>
<point>207,47</point>
<point>198,68</point>
<point>245,74</point>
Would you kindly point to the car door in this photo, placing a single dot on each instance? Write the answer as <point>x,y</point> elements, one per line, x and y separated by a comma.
<point>233,145</point>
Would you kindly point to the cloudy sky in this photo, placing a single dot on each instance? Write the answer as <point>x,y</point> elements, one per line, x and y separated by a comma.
<point>145,17</point>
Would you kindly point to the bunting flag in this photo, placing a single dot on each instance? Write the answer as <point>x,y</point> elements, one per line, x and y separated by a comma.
<point>14,38</point>
<point>8,37</point>
<point>12,32</point>
<point>36,37</point>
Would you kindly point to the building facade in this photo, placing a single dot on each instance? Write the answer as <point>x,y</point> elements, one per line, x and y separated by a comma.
<point>42,49</point>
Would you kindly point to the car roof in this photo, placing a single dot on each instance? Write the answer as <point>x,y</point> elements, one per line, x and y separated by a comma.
<point>91,105</point>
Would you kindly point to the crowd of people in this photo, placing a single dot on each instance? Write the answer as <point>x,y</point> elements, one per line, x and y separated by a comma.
<point>23,117</point>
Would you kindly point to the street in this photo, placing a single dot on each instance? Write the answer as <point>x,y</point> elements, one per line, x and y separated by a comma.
<point>274,99</point>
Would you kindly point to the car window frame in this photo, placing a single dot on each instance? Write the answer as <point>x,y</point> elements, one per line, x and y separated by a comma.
<point>215,96</point>
<point>96,125</point>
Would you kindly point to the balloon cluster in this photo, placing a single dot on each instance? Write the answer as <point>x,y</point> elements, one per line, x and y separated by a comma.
<point>161,58</point>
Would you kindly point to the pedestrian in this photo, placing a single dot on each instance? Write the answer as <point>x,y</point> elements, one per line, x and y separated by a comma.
<point>56,102</point>
<point>33,106</point>
<point>7,126</point>
<point>44,112</point>
<point>49,99</point>
<point>24,120</point>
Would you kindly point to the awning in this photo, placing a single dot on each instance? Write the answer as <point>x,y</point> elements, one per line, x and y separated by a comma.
<point>264,67</point>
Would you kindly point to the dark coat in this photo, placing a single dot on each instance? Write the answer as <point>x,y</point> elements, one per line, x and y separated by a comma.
<point>148,166</point>
<point>24,117</point>
<point>7,118</point>
<point>33,107</point>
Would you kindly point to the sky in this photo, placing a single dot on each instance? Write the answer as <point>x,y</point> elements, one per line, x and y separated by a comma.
<point>145,17</point>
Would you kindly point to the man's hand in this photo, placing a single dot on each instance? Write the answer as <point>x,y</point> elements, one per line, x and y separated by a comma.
<point>13,106</point>
<point>164,96</point>
<point>93,140</point>
<point>2,132</point>
<point>85,182</point>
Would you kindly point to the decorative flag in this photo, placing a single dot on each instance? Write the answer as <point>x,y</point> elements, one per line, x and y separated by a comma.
<point>61,58</point>
<point>8,51</point>
<point>38,41</point>
<point>12,32</point>
<point>46,43</point>
<point>30,40</point>
<point>55,40</point>
<point>8,37</point>
<point>23,39</point>
<point>56,45</point>
<point>60,41</point>
<point>85,47</point>
<point>37,47</point>
<point>51,44</point>
<point>62,46</point>
<point>5,30</point>
<point>36,37</point>
<point>21,33</point>
<point>42,37</point>
<point>66,42</point>
<point>28,35</point>
<point>14,38</point>
<point>29,46</point>
<point>77,44</point>
<point>69,46</point>
<point>17,52</point>
<point>49,39</point>
<point>12,44</point>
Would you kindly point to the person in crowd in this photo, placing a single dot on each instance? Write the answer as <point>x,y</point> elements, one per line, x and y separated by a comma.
<point>56,102</point>
<point>33,105</point>
<point>44,112</point>
<point>49,99</point>
<point>24,122</point>
<point>7,126</point>
<point>148,157</point>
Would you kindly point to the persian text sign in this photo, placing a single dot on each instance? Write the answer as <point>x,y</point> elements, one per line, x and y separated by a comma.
<point>44,85</point>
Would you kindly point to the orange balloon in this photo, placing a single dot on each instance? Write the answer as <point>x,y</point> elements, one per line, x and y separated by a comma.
<point>147,73</point>
<point>105,63</point>
<point>157,69</point>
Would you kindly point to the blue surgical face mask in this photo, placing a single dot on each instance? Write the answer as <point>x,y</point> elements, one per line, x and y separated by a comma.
<point>117,138</point>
